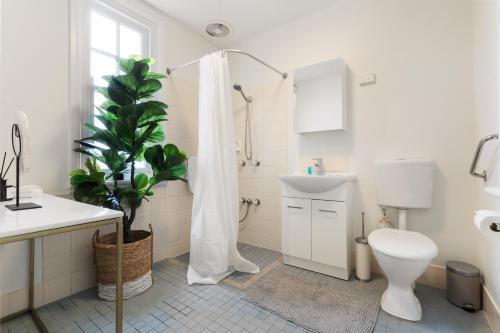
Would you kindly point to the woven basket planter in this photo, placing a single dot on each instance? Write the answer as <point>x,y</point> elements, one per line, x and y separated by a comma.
<point>136,264</point>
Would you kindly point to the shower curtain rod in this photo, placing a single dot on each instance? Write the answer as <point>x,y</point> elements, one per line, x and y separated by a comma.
<point>284,75</point>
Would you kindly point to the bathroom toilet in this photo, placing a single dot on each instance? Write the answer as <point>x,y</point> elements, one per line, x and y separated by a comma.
<point>403,255</point>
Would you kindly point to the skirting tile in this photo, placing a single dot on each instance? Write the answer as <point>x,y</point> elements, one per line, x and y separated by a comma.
<point>491,311</point>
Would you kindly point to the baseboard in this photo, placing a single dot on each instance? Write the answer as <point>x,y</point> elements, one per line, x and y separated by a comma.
<point>491,311</point>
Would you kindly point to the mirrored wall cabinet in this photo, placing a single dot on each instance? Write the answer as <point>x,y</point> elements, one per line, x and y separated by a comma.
<point>321,97</point>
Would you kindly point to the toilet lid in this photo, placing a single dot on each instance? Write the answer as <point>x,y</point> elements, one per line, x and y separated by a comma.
<point>403,244</point>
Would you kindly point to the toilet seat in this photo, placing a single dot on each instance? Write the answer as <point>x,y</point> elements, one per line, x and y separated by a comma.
<point>403,244</point>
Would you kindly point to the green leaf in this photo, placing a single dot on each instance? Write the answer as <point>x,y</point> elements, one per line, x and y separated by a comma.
<point>173,155</point>
<point>87,152</point>
<point>107,78</point>
<point>126,65</point>
<point>141,181</point>
<point>145,136</point>
<point>129,82</point>
<point>148,87</point>
<point>156,136</point>
<point>154,156</point>
<point>77,172</point>
<point>118,93</point>
<point>110,106</point>
<point>151,109</point>
<point>140,69</point>
<point>114,161</point>
<point>156,76</point>
<point>91,127</point>
<point>88,144</point>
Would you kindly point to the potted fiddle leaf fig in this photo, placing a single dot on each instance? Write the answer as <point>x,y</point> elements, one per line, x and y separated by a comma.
<point>128,130</point>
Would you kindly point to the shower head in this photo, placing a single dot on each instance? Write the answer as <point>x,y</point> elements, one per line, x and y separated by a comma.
<point>238,87</point>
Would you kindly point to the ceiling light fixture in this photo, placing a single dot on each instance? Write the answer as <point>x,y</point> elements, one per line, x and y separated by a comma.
<point>218,29</point>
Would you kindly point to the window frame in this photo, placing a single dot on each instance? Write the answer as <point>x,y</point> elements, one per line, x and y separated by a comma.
<point>81,85</point>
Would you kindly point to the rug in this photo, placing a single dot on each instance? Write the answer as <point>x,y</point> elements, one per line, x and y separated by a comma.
<point>316,302</point>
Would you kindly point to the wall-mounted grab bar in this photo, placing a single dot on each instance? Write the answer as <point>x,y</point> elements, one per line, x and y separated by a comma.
<point>477,155</point>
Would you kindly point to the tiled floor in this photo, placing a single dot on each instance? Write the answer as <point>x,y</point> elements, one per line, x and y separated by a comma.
<point>264,258</point>
<point>173,306</point>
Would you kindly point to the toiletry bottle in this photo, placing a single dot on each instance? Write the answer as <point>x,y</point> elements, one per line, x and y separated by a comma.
<point>309,170</point>
<point>316,166</point>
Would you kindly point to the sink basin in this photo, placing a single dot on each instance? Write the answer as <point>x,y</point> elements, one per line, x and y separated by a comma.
<point>316,184</point>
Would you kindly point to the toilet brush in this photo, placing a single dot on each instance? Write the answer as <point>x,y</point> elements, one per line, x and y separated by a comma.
<point>362,254</point>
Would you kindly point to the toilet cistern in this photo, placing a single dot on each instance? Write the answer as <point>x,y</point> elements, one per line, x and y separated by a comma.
<point>404,184</point>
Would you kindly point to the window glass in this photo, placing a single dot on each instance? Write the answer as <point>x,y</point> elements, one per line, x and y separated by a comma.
<point>130,42</point>
<point>103,33</point>
<point>101,65</point>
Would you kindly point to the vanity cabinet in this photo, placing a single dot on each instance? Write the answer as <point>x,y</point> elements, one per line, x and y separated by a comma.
<point>316,234</point>
<point>297,227</point>
<point>329,232</point>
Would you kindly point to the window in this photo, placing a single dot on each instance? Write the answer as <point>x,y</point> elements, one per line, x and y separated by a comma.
<point>112,35</point>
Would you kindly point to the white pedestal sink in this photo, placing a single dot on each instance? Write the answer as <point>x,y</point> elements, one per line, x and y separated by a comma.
<point>316,222</point>
<point>316,187</point>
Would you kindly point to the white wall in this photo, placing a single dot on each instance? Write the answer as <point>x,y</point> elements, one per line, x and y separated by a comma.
<point>487,87</point>
<point>421,106</point>
<point>35,78</point>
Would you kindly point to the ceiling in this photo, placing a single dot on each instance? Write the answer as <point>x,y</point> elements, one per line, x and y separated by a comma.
<point>246,17</point>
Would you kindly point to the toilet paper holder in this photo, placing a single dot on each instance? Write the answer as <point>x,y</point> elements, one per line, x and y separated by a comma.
<point>488,222</point>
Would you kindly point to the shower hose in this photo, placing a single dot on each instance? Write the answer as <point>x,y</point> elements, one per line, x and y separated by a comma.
<point>246,213</point>
<point>248,134</point>
<point>248,148</point>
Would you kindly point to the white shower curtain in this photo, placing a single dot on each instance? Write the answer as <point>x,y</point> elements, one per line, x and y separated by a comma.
<point>214,222</point>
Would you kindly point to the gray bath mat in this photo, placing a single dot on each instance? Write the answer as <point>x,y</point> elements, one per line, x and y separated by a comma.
<point>314,302</point>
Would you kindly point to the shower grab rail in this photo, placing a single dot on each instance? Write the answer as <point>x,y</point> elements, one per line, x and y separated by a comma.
<point>284,75</point>
<point>477,155</point>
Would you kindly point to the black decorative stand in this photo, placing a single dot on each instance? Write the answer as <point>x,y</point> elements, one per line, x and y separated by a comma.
<point>16,133</point>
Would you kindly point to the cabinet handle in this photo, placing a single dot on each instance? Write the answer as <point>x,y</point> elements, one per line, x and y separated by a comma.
<point>327,211</point>
<point>296,207</point>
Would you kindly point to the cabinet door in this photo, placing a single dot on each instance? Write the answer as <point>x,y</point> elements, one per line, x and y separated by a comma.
<point>329,233</point>
<point>296,235</point>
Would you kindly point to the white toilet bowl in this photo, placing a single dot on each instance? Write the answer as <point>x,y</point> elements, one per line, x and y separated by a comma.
<point>403,256</point>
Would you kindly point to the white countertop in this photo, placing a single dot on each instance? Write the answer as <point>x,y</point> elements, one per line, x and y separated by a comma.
<point>55,213</point>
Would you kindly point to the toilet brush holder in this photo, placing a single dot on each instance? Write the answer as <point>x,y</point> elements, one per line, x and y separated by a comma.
<point>363,255</point>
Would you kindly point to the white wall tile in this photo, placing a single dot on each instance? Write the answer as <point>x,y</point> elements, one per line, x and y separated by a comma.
<point>5,305</point>
<point>57,288</point>
<point>56,244</point>
<point>81,239</point>
<point>82,260</point>
<point>83,279</point>
<point>19,300</point>
<point>56,266</point>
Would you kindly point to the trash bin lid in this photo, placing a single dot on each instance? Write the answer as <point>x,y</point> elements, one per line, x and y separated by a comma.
<point>462,268</point>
